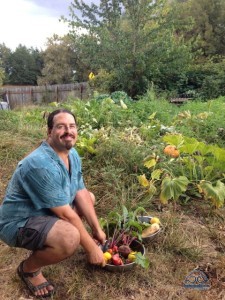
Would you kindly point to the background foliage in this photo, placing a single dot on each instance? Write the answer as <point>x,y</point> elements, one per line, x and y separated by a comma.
<point>176,45</point>
<point>119,141</point>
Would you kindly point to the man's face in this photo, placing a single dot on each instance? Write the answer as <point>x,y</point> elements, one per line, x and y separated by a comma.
<point>63,135</point>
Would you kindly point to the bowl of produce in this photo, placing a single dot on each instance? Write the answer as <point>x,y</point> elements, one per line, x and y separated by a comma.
<point>151,227</point>
<point>124,257</point>
<point>124,247</point>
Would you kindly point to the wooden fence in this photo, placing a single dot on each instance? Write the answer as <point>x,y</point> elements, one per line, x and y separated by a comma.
<point>25,95</point>
<point>179,101</point>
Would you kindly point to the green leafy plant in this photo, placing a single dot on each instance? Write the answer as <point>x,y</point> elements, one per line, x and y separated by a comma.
<point>172,188</point>
<point>86,145</point>
<point>216,194</point>
<point>198,168</point>
<point>125,222</point>
<point>122,229</point>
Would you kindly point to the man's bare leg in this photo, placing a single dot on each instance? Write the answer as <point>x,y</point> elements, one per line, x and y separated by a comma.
<point>84,206</point>
<point>61,242</point>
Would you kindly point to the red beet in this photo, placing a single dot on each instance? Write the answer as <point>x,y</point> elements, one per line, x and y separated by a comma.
<point>124,250</point>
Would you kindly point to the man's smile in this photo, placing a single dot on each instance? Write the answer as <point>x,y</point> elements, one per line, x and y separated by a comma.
<point>67,136</point>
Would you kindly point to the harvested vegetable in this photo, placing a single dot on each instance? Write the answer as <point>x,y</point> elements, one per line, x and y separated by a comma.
<point>123,236</point>
<point>132,256</point>
<point>124,250</point>
<point>116,259</point>
<point>154,220</point>
<point>150,230</point>
<point>107,256</point>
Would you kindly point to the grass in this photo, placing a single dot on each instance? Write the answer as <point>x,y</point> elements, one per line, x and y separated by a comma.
<point>192,235</point>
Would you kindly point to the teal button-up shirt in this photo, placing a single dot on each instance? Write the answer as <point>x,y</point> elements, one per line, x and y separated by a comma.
<point>40,181</point>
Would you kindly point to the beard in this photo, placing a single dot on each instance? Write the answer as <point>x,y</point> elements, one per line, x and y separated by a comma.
<point>68,145</point>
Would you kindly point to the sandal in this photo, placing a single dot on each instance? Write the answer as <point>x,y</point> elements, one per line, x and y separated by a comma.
<point>24,276</point>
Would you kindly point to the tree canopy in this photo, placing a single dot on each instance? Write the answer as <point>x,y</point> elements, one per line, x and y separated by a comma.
<point>178,45</point>
<point>129,40</point>
<point>58,62</point>
<point>21,66</point>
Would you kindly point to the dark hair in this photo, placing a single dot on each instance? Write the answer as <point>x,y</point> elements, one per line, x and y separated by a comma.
<point>56,112</point>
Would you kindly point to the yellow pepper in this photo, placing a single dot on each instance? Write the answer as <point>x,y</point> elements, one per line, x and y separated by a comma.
<point>107,256</point>
<point>132,256</point>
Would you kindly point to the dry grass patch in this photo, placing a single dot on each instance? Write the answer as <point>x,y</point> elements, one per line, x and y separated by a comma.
<point>183,245</point>
<point>190,238</point>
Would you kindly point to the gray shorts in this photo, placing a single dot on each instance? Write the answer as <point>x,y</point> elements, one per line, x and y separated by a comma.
<point>33,235</point>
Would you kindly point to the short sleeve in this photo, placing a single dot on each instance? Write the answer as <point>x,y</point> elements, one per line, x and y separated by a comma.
<point>44,188</point>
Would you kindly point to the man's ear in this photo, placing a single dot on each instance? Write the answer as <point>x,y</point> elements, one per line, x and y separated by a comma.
<point>49,131</point>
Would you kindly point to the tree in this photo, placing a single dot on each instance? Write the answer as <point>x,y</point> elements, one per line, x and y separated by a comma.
<point>123,38</point>
<point>2,75</point>
<point>58,62</point>
<point>5,54</point>
<point>208,28</point>
<point>24,66</point>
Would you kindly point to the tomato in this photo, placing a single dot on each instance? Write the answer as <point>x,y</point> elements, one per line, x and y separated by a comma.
<point>117,261</point>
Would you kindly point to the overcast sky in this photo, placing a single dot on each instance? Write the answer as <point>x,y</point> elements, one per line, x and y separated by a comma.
<point>31,22</point>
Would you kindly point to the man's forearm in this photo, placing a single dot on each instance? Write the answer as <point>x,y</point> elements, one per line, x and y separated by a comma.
<point>85,206</point>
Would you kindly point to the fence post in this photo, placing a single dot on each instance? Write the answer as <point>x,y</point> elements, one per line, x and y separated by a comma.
<point>9,98</point>
<point>57,96</point>
<point>31,95</point>
<point>81,91</point>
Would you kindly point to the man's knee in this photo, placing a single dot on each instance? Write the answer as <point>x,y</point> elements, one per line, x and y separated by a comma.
<point>92,197</point>
<point>65,237</point>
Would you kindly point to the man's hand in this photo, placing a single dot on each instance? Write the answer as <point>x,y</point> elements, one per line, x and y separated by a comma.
<point>96,257</point>
<point>99,235</point>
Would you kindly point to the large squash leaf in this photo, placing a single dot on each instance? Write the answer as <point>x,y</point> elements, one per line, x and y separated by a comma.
<point>189,148</point>
<point>174,139</point>
<point>150,163</point>
<point>172,188</point>
<point>214,193</point>
<point>143,180</point>
<point>156,174</point>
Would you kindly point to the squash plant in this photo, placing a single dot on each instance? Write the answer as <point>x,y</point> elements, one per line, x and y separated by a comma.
<point>199,168</point>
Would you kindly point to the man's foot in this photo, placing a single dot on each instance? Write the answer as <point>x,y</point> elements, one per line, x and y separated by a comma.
<point>36,282</point>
